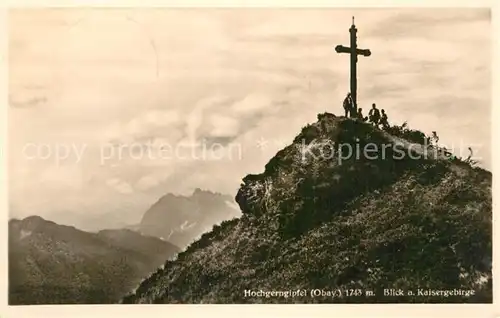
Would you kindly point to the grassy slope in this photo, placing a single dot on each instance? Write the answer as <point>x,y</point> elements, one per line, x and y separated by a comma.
<point>367,224</point>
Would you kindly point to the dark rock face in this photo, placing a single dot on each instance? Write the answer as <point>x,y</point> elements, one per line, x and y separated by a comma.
<point>317,218</point>
<point>56,264</point>
<point>182,219</point>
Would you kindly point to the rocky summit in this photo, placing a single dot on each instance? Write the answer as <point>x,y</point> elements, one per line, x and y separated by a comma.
<point>328,222</point>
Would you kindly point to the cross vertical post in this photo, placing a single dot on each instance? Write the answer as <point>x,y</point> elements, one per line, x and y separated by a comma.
<point>354,60</point>
<point>354,52</point>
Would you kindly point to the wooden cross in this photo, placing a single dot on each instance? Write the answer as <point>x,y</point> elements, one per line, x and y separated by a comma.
<point>354,52</point>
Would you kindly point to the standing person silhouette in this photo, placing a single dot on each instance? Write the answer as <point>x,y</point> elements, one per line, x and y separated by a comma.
<point>374,115</point>
<point>348,106</point>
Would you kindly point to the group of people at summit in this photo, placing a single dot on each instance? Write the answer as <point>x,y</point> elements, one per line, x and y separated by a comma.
<point>376,117</point>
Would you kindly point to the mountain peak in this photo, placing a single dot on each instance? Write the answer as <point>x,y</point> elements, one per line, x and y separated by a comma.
<point>326,213</point>
<point>181,219</point>
<point>33,222</point>
<point>197,191</point>
<point>34,218</point>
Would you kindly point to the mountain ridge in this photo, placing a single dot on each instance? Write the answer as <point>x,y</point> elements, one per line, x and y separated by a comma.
<point>51,263</point>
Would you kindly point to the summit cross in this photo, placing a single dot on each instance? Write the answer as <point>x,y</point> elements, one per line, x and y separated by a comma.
<point>354,52</point>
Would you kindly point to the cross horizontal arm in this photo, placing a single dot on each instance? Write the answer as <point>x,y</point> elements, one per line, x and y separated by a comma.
<point>344,49</point>
<point>364,52</point>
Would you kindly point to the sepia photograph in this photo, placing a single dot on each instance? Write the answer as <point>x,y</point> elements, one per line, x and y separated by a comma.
<point>249,155</point>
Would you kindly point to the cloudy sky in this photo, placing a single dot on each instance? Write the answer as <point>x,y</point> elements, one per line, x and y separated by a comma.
<point>85,83</point>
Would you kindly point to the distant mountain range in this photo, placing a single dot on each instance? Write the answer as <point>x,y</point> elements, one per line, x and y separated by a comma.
<point>57,264</point>
<point>51,263</point>
<point>183,219</point>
